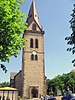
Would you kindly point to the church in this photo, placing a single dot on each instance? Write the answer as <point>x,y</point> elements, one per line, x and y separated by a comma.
<point>31,80</point>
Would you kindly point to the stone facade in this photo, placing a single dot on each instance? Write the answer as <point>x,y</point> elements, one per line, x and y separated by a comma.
<point>18,82</point>
<point>33,70</point>
<point>12,75</point>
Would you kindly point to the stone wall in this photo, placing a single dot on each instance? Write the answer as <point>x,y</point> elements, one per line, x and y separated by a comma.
<point>18,82</point>
<point>33,71</point>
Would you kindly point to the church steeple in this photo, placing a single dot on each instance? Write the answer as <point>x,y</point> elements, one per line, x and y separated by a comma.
<point>32,15</point>
<point>33,68</point>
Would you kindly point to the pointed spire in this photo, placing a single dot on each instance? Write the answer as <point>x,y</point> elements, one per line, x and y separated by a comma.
<point>33,14</point>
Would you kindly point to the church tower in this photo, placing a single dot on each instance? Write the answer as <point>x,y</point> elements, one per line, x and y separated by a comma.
<point>33,69</point>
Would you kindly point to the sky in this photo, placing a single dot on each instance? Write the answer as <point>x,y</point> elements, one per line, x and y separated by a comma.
<point>54,16</point>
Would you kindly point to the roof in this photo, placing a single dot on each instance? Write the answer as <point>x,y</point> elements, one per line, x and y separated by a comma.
<point>33,15</point>
<point>12,74</point>
<point>8,88</point>
<point>73,70</point>
<point>20,72</point>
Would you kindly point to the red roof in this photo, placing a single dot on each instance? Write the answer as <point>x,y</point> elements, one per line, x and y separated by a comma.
<point>73,70</point>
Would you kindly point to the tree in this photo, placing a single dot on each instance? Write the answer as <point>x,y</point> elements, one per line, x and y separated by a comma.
<point>3,67</point>
<point>12,25</point>
<point>64,83</point>
<point>71,38</point>
<point>4,84</point>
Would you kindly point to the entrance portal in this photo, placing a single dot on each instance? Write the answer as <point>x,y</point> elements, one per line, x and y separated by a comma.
<point>34,92</point>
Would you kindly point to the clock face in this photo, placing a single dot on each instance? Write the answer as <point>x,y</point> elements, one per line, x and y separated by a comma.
<point>34,52</point>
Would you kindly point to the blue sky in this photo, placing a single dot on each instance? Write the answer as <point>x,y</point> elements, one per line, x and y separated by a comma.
<point>54,16</point>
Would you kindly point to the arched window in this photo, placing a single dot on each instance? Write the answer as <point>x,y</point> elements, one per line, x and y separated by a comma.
<point>31,43</point>
<point>36,57</point>
<point>36,43</point>
<point>32,57</point>
<point>34,27</point>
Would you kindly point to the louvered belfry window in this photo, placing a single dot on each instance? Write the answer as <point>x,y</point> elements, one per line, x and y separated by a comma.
<point>31,43</point>
<point>36,43</point>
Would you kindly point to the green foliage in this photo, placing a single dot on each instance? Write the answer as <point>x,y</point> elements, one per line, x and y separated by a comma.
<point>61,83</point>
<point>71,38</point>
<point>4,84</point>
<point>3,67</point>
<point>11,27</point>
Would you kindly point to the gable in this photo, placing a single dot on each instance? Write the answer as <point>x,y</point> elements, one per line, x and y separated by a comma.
<point>30,27</point>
